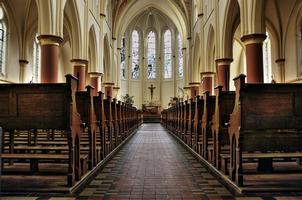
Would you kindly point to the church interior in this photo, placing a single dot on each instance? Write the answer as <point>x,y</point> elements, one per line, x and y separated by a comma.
<point>150,99</point>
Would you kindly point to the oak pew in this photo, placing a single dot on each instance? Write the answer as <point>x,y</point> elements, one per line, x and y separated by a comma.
<point>100,116</point>
<point>85,107</point>
<point>115,127</point>
<point>197,124</point>
<point>267,118</point>
<point>224,105</point>
<point>208,111</point>
<point>44,106</point>
<point>190,129</point>
<point>108,125</point>
<point>185,120</point>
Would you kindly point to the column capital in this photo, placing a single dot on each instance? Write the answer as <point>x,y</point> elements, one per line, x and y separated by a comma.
<point>79,62</point>
<point>108,84</point>
<point>207,74</point>
<point>280,60</point>
<point>50,40</point>
<point>23,61</point>
<point>224,61</point>
<point>255,38</point>
<point>194,84</point>
<point>95,74</point>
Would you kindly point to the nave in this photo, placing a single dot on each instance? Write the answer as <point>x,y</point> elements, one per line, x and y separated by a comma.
<point>153,165</point>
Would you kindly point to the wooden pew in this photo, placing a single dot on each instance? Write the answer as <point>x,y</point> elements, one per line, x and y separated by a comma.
<point>190,121</point>
<point>100,116</point>
<point>224,105</point>
<point>197,124</point>
<point>85,107</point>
<point>208,111</point>
<point>109,125</point>
<point>267,118</point>
<point>44,106</point>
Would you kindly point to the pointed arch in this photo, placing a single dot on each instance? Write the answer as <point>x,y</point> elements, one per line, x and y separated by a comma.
<point>196,65</point>
<point>210,57</point>
<point>72,22</point>
<point>106,60</point>
<point>92,46</point>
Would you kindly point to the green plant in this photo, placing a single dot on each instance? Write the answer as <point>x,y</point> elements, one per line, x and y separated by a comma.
<point>127,99</point>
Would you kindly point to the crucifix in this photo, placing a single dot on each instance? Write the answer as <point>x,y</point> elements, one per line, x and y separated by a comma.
<point>151,88</point>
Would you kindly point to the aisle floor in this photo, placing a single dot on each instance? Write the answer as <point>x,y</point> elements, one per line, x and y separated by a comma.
<point>152,165</point>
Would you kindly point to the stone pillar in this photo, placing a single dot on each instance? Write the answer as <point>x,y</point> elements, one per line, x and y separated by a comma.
<point>108,88</point>
<point>223,72</point>
<point>187,94</point>
<point>281,64</point>
<point>22,73</point>
<point>207,81</point>
<point>115,92</point>
<point>50,50</point>
<point>254,57</point>
<point>79,71</point>
<point>95,82</point>
<point>194,89</point>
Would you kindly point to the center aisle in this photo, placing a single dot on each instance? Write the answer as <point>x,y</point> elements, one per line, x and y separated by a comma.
<point>152,165</point>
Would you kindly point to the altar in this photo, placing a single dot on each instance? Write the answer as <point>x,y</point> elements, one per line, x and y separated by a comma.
<point>151,110</point>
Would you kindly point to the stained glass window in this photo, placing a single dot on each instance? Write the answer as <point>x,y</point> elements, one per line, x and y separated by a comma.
<point>2,44</point>
<point>151,56</point>
<point>267,63</point>
<point>123,57</point>
<point>36,61</point>
<point>167,54</point>
<point>135,55</point>
<point>180,57</point>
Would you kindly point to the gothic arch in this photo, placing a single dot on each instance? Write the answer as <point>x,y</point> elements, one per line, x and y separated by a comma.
<point>72,21</point>
<point>196,59</point>
<point>92,47</point>
<point>231,22</point>
<point>133,9</point>
<point>106,60</point>
<point>210,46</point>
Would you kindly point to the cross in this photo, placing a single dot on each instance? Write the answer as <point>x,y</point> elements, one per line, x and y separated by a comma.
<point>151,88</point>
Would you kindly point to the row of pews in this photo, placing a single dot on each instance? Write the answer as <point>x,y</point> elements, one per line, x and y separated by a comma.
<point>57,125</point>
<point>257,123</point>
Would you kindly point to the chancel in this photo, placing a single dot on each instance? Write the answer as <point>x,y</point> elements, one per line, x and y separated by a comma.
<point>150,99</point>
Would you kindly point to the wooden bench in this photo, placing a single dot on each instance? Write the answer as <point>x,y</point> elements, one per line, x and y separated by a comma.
<point>44,106</point>
<point>225,158</point>
<point>85,107</point>
<point>224,105</point>
<point>34,159</point>
<point>266,118</point>
<point>208,111</point>
<point>197,124</point>
<point>190,121</point>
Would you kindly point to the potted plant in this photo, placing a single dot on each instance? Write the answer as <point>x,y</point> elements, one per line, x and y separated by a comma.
<point>127,99</point>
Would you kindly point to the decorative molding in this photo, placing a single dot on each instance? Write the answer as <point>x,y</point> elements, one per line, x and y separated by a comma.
<point>256,38</point>
<point>50,40</point>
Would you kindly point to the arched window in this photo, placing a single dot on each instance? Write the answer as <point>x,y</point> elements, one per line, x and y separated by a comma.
<point>167,54</point>
<point>267,60</point>
<point>3,34</point>
<point>123,57</point>
<point>36,60</point>
<point>180,57</point>
<point>151,74</point>
<point>135,55</point>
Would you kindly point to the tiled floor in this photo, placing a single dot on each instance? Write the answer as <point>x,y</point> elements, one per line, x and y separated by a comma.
<point>152,165</point>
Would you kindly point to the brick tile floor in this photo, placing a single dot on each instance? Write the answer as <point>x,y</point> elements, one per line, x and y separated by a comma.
<point>152,165</point>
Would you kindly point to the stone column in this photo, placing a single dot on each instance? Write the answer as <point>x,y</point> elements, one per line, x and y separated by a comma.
<point>187,94</point>
<point>22,73</point>
<point>281,64</point>
<point>95,82</point>
<point>194,89</point>
<point>254,57</point>
<point>79,71</point>
<point>108,88</point>
<point>207,81</point>
<point>50,50</point>
<point>115,92</point>
<point>223,72</point>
